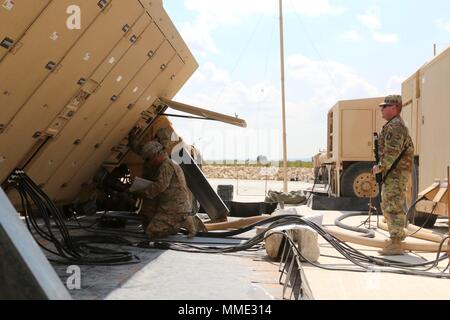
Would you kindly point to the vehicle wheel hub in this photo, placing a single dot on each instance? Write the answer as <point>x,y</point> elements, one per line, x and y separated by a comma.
<point>365,186</point>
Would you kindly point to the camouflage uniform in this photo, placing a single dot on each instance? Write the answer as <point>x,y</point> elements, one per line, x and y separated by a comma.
<point>173,144</point>
<point>394,138</point>
<point>162,131</point>
<point>168,138</point>
<point>167,201</point>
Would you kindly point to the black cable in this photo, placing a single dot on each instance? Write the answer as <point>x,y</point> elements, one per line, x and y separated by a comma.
<point>54,229</point>
<point>364,262</point>
<point>348,252</point>
<point>426,220</point>
<point>75,249</point>
<point>75,216</point>
<point>240,231</point>
<point>370,268</point>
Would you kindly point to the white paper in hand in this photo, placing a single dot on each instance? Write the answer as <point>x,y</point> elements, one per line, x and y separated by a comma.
<point>140,184</point>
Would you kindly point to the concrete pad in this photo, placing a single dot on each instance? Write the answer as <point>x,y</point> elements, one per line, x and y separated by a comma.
<point>343,285</point>
<point>172,275</point>
<point>186,276</point>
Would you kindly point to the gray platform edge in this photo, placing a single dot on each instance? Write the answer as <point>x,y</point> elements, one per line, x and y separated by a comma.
<point>25,271</point>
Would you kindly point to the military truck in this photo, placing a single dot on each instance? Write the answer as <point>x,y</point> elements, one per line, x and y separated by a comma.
<point>351,125</point>
<point>349,156</point>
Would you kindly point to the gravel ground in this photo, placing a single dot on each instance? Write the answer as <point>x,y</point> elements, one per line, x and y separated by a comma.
<point>257,173</point>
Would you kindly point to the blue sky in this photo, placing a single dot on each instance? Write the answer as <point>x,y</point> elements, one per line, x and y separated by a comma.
<point>335,50</point>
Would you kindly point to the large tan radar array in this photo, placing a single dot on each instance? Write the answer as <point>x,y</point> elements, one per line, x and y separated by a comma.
<point>76,76</point>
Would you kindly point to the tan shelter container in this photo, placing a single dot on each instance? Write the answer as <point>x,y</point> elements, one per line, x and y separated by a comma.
<point>426,107</point>
<point>351,125</point>
<point>435,120</point>
<point>411,113</point>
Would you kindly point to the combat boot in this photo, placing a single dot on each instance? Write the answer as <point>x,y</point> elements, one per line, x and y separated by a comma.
<point>393,248</point>
<point>194,225</point>
<point>199,225</point>
<point>190,226</point>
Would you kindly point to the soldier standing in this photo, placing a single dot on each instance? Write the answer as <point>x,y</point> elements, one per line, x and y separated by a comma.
<point>396,161</point>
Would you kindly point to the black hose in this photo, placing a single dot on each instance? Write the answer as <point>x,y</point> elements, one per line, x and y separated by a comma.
<point>369,233</point>
<point>338,222</point>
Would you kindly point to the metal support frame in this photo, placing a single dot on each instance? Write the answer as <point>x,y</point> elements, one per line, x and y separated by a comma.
<point>202,190</point>
<point>291,270</point>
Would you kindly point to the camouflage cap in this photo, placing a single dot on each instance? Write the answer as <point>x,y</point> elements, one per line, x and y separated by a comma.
<point>151,149</point>
<point>392,100</point>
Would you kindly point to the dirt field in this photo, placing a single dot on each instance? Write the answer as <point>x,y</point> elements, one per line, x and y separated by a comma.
<point>257,173</point>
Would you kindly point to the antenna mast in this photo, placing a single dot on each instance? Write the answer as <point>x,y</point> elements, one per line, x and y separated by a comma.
<point>283,96</point>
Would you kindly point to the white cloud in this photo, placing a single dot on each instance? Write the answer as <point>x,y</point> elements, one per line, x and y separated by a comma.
<point>198,36</point>
<point>231,11</point>
<point>371,19</point>
<point>443,24</point>
<point>213,73</point>
<point>313,87</point>
<point>212,88</point>
<point>385,37</point>
<point>317,8</point>
<point>213,14</point>
<point>329,79</point>
<point>351,36</point>
<point>394,85</point>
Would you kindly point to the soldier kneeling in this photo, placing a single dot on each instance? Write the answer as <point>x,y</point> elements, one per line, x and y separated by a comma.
<point>167,203</point>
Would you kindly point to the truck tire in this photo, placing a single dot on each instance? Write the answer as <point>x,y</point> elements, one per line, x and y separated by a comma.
<point>358,181</point>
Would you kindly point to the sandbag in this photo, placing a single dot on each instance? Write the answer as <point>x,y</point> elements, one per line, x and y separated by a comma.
<point>293,197</point>
<point>307,241</point>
